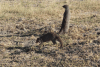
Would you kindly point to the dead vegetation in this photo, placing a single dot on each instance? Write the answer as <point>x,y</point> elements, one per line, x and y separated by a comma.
<point>22,22</point>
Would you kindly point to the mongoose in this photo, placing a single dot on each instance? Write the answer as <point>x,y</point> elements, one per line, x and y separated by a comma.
<point>49,37</point>
<point>65,22</point>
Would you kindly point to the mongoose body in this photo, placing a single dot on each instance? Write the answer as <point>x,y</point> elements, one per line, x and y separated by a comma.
<point>49,37</point>
<point>65,22</point>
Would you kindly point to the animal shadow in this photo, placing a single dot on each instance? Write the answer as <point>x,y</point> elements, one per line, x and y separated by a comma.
<point>21,49</point>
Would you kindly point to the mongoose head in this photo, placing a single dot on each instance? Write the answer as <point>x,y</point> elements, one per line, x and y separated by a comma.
<point>38,40</point>
<point>65,6</point>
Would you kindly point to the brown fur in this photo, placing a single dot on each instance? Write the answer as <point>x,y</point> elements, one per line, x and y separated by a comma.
<point>65,22</point>
<point>49,37</point>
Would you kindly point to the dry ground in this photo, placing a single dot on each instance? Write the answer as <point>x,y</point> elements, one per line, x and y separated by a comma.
<point>23,21</point>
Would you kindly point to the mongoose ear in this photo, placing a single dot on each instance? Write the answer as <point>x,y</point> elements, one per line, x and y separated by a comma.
<point>65,6</point>
<point>37,40</point>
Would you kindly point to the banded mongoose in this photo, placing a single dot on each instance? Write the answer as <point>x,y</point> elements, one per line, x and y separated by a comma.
<point>65,22</point>
<point>49,37</point>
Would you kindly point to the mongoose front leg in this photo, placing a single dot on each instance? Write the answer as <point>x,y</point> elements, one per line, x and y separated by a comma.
<point>54,41</point>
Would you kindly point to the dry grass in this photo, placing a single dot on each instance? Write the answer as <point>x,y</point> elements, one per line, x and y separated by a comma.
<point>22,21</point>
